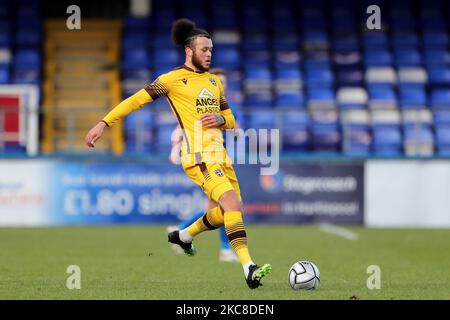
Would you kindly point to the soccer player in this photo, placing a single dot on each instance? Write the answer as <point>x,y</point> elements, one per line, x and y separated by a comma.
<point>226,253</point>
<point>197,100</point>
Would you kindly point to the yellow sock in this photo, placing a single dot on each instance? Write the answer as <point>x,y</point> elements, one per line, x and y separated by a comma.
<point>211,220</point>
<point>234,226</point>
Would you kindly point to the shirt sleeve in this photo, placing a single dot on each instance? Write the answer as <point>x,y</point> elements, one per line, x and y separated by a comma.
<point>153,91</point>
<point>225,110</point>
<point>159,87</point>
<point>223,101</point>
<point>131,104</point>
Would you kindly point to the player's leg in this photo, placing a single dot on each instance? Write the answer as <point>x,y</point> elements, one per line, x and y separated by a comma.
<point>237,236</point>
<point>226,253</point>
<point>183,225</point>
<point>211,220</point>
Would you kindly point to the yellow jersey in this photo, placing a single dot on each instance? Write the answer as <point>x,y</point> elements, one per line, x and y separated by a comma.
<point>190,94</point>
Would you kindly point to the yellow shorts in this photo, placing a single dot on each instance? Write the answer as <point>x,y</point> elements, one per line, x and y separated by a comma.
<point>214,178</point>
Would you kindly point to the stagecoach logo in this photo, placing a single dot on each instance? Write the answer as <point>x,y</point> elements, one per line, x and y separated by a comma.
<point>218,172</point>
<point>212,81</point>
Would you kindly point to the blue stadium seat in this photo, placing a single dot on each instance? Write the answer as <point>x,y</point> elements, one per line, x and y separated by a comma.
<point>27,59</point>
<point>375,41</point>
<point>432,39</point>
<point>440,98</point>
<point>387,142</point>
<point>348,42</point>
<point>261,120</point>
<point>439,76</point>
<point>136,58</point>
<point>286,42</point>
<point>257,73</point>
<point>259,99</point>
<point>255,41</point>
<point>27,76</point>
<point>443,140</point>
<point>136,24</point>
<point>257,56</point>
<point>377,58</point>
<point>326,139</point>
<point>293,99</point>
<point>143,75</point>
<point>317,59</point>
<point>319,78</point>
<point>359,143</point>
<point>403,23</point>
<point>28,37</point>
<point>405,40</point>
<point>441,117</point>
<point>167,57</point>
<point>295,133</point>
<point>407,58</point>
<point>162,40</point>
<point>283,73</point>
<point>315,39</point>
<point>134,40</point>
<point>437,58</point>
<point>287,59</point>
<point>382,94</point>
<point>4,74</point>
<point>321,95</point>
<point>413,98</point>
<point>227,58</point>
<point>349,77</point>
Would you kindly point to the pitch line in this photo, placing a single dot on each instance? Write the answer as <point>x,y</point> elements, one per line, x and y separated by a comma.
<point>338,231</point>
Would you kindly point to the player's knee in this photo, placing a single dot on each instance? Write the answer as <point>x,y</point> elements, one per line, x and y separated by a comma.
<point>229,201</point>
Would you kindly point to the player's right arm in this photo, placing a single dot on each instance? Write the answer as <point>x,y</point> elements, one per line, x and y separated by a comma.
<point>135,102</point>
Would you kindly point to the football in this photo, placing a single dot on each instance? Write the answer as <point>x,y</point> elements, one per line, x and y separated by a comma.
<point>304,275</point>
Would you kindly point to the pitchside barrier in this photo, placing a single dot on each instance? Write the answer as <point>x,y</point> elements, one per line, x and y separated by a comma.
<point>380,193</point>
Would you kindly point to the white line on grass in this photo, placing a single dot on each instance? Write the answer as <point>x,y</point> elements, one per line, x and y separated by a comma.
<point>339,231</point>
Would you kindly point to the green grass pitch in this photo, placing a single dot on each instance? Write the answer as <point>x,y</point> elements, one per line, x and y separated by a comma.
<point>136,262</point>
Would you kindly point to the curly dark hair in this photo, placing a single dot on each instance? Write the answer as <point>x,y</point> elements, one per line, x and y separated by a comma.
<point>184,32</point>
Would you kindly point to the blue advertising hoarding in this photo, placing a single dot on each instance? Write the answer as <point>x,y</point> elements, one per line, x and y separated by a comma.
<point>51,192</point>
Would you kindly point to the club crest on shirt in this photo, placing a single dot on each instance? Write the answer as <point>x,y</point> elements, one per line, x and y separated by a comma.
<point>184,80</point>
<point>213,81</point>
<point>218,172</point>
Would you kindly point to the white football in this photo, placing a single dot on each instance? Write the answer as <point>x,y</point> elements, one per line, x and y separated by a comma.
<point>304,275</point>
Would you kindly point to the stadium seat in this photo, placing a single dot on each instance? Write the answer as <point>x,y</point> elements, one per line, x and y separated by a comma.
<point>289,99</point>
<point>418,141</point>
<point>356,138</point>
<point>136,58</point>
<point>170,57</point>
<point>27,59</point>
<point>407,58</point>
<point>381,75</point>
<point>387,142</point>
<point>4,74</point>
<point>351,98</point>
<point>440,98</point>
<point>413,98</point>
<point>296,139</point>
<point>377,58</point>
<point>441,118</point>
<point>443,140</point>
